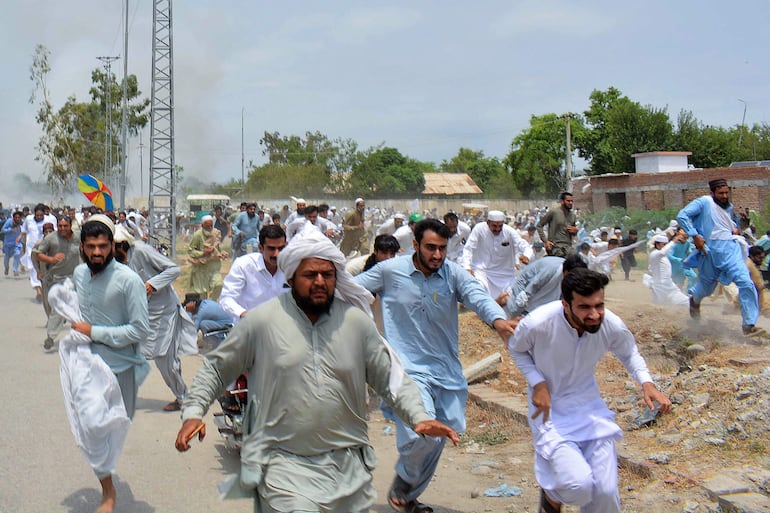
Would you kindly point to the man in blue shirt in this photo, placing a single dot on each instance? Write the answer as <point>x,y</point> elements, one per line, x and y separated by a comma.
<point>246,230</point>
<point>211,321</point>
<point>11,248</point>
<point>420,293</point>
<point>709,221</point>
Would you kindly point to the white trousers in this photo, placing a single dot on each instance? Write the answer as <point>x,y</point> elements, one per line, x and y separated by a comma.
<point>584,474</point>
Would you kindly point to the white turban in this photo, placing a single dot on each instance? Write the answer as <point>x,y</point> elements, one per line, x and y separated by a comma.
<point>101,218</point>
<point>359,200</point>
<point>206,218</point>
<point>495,216</point>
<point>660,238</point>
<point>314,244</point>
<point>122,235</point>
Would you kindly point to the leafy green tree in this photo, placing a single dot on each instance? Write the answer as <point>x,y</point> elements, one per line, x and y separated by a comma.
<point>488,173</point>
<point>462,162</point>
<point>73,137</point>
<point>385,172</point>
<point>617,128</point>
<point>537,154</point>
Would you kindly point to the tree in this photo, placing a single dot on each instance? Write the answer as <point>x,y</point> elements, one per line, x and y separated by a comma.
<point>462,162</point>
<point>73,138</point>
<point>386,173</point>
<point>537,154</point>
<point>483,170</point>
<point>617,128</point>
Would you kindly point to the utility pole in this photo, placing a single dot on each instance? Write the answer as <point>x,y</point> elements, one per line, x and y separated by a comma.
<point>107,61</point>
<point>568,156</point>
<point>124,121</point>
<point>743,121</point>
<point>141,164</point>
<point>243,161</point>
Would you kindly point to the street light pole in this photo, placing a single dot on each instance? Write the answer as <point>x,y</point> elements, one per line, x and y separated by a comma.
<point>743,121</point>
<point>243,162</point>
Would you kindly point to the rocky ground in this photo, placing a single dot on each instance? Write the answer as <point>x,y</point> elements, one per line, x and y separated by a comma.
<point>718,380</point>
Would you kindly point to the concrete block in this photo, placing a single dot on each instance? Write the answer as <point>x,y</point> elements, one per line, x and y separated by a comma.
<point>744,503</point>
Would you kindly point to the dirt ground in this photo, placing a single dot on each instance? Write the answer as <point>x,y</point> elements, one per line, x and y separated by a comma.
<point>672,446</point>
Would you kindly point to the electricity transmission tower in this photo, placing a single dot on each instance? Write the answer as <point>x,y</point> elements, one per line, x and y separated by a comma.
<point>162,200</point>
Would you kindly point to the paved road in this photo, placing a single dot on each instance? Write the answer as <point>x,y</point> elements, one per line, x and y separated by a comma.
<point>42,470</point>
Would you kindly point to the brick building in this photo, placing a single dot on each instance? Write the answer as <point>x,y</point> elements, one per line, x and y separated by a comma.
<point>648,190</point>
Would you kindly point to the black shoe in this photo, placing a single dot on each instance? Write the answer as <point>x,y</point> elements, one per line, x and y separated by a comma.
<point>694,309</point>
<point>48,344</point>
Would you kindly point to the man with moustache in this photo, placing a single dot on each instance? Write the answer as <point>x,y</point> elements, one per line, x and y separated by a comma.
<point>206,259</point>
<point>255,278</point>
<point>172,331</point>
<point>354,235</point>
<point>31,232</point>
<point>60,252</point>
<point>562,227</point>
<point>245,230</point>
<point>113,303</point>
<point>420,294</point>
<point>557,347</point>
<point>719,258</point>
<point>493,252</point>
<point>309,356</point>
<point>460,232</point>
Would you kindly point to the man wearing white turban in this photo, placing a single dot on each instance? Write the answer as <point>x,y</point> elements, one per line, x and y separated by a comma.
<point>309,356</point>
<point>659,281</point>
<point>493,251</point>
<point>206,259</point>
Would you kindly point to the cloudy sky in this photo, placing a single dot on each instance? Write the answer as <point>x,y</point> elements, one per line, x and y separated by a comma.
<point>425,77</point>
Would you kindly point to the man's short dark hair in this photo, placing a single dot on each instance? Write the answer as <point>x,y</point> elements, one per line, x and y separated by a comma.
<point>451,216</point>
<point>756,251</point>
<point>311,209</point>
<point>271,231</point>
<point>95,229</point>
<point>40,207</point>
<point>323,207</point>
<point>582,281</point>
<point>563,195</point>
<point>572,262</point>
<point>387,243</point>
<point>433,225</point>
<point>632,232</point>
<point>584,246</point>
<point>252,204</point>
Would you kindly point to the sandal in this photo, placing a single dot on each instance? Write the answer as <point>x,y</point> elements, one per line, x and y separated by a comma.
<point>398,491</point>
<point>545,506</point>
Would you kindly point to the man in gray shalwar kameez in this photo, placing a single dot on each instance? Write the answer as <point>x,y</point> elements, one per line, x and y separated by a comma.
<point>309,355</point>
<point>172,331</point>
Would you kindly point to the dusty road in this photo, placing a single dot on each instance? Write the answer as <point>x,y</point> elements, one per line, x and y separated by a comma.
<point>42,470</point>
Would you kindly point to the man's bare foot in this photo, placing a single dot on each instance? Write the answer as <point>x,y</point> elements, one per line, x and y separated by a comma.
<point>108,496</point>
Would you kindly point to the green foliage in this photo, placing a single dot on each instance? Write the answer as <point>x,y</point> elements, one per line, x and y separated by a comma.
<point>537,154</point>
<point>73,138</point>
<point>386,173</point>
<point>282,180</point>
<point>488,173</point>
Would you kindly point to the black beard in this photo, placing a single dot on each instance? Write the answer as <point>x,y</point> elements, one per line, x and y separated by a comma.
<point>581,326</point>
<point>306,304</point>
<point>723,204</point>
<point>97,268</point>
<point>251,215</point>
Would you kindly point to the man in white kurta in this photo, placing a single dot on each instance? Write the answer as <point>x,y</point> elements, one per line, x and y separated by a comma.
<point>659,281</point>
<point>493,251</point>
<point>309,356</point>
<point>255,277</point>
<point>557,347</point>
<point>31,232</point>
<point>172,331</point>
<point>460,233</point>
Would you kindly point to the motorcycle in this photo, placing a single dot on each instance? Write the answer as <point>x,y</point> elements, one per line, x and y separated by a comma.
<point>229,421</point>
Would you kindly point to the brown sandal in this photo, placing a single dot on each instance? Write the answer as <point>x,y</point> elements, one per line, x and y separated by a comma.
<point>173,406</point>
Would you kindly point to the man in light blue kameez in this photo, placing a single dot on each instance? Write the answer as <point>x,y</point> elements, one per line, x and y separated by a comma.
<point>420,293</point>
<point>309,355</point>
<point>113,303</point>
<point>709,221</point>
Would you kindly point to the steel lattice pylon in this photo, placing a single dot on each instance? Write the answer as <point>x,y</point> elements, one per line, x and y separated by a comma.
<point>162,200</point>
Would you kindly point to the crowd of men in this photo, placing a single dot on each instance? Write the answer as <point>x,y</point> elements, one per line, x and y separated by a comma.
<point>294,313</point>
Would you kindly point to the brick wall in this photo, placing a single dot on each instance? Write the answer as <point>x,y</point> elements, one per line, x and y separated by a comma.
<point>750,188</point>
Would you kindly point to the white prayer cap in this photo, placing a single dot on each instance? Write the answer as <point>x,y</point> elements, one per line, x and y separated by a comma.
<point>332,208</point>
<point>400,216</point>
<point>673,224</point>
<point>660,238</point>
<point>314,244</point>
<point>206,218</point>
<point>495,216</point>
<point>301,200</point>
<point>101,218</point>
<point>122,235</point>
<point>359,200</point>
